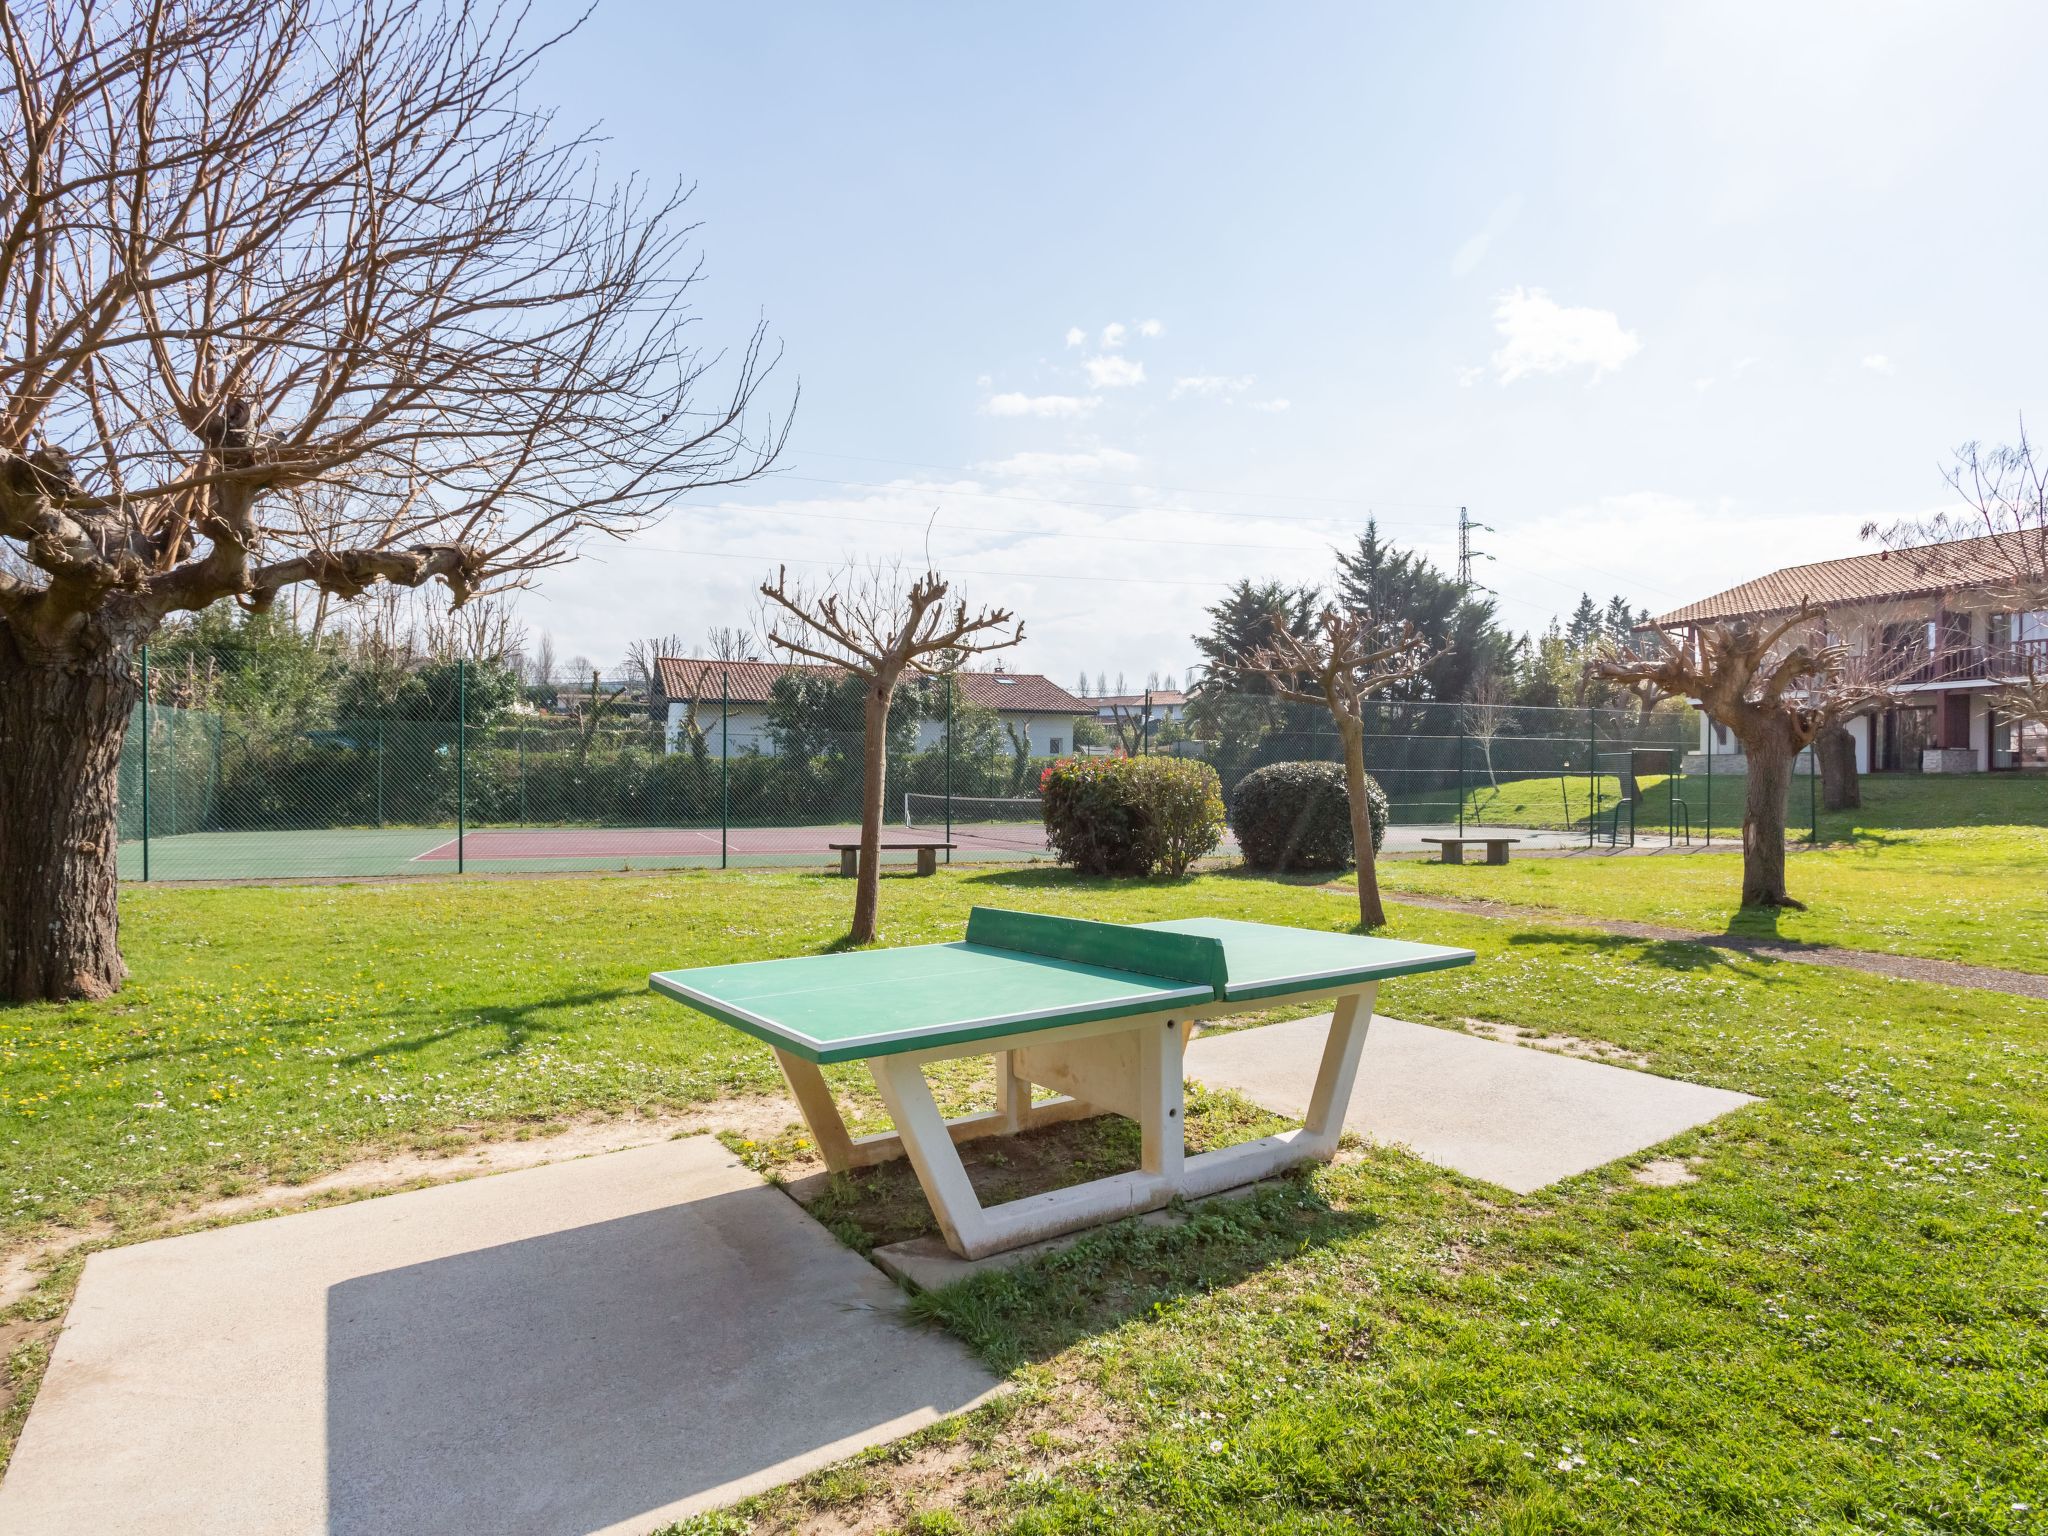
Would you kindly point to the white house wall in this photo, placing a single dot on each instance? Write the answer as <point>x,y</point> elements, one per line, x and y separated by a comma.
<point>1048,735</point>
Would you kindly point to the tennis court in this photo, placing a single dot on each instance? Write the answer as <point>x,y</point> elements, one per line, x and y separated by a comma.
<point>373,851</point>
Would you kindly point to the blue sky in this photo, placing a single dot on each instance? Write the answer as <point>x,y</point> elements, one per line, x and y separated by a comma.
<point>1667,295</point>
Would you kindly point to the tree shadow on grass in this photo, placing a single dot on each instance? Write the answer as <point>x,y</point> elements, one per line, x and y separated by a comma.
<point>1686,955</point>
<point>520,1022</point>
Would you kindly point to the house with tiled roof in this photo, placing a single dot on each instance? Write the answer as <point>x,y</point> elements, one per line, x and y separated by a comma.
<point>728,701</point>
<point>1949,625</point>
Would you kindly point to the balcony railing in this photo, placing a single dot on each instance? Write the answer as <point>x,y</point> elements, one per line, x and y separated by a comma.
<point>1979,663</point>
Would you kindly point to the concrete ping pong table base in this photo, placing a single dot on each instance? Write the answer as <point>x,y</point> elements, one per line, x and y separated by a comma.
<point>1128,1066</point>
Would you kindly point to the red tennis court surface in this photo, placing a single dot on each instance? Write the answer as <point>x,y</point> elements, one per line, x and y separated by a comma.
<point>688,842</point>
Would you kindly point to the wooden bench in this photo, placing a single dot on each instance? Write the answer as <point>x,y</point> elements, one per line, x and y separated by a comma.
<point>1453,849</point>
<point>927,855</point>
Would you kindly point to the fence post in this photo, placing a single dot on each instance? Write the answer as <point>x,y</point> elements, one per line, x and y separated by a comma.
<point>1710,780</point>
<point>145,763</point>
<point>724,757</point>
<point>951,680</point>
<point>380,770</point>
<point>1812,797</point>
<point>1461,773</point>
<point>522,773</point>
<point>461,761</point>
<point>1592,774</point>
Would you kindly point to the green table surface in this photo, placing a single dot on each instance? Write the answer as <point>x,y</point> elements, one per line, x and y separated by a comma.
<point>878,1002</point>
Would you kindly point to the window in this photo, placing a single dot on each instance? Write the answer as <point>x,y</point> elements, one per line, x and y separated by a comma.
<point>1056,746</point>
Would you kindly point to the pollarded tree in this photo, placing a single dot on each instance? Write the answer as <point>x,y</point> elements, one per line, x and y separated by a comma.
<point>867,622</point>
<point>296,294</point>
<point>1343,660</point>
<point>1776,688</point>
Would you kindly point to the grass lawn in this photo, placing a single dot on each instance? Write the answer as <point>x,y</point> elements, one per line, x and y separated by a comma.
<point>1841,1325</point>
<point>1895,876</point>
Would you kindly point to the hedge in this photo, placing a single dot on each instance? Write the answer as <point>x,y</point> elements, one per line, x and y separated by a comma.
<point>1131,815</point>
<point>1297,816</point>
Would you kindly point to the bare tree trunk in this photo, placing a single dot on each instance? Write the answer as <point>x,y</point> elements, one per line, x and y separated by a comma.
<point>1835,751</point>
<point>874,768</point>
<point>1763,822</point>
<point>62,723</point>
<point>1370,913</point>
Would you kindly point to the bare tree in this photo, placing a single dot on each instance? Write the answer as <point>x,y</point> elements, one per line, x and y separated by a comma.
<point>1775,688</point>
<point>727,643</point>
<point>1488,714</point>
<point>1995,540</point>
<point>249,252</point>
<point>540,668</point>
<point>866,621</point>
<point>643,666</point>
<point>1342,661</point>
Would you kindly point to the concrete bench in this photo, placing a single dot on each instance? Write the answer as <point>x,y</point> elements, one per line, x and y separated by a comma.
<point>1453,848</point>
<point>927,855</point>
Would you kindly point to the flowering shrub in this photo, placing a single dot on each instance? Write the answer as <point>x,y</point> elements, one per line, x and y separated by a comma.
<point>1298,816</point>
<point>1131,815</point>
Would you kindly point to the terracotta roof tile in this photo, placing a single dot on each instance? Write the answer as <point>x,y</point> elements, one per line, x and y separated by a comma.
<point>752,682</point>
<point>1989,561</point>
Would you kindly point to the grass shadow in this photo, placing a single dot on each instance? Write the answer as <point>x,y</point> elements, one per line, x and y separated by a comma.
<point>1136,1269</point>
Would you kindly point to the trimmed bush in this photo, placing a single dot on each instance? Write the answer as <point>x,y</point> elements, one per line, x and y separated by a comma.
<point>1294,816</point>
<point>1131,815</point>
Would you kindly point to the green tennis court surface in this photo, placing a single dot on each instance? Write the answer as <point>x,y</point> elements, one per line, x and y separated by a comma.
<point>344,852</point>
<point>1016,972</point>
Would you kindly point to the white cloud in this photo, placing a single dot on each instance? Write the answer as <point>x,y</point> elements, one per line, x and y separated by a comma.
<point>1877,362</point>
<point>1113,372</point>
<point>1040,465</point>
<point>1467,377</point>
<point>1273,406</point>
<point>1473,251</point>
<point>1539,335</point>
<point>1212,385</point>
<point>1040,405</point>
<point>1113,334</point>
<point>1151,328</point>
<point>1075,335</point>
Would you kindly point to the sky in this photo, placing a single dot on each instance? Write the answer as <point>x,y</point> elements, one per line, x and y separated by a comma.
<point>1097,309</point>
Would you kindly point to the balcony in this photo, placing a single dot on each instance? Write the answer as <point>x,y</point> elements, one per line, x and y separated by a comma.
<point>1977,664</point>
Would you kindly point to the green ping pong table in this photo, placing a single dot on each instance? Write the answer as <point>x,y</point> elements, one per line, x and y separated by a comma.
<point>1100,1012</point>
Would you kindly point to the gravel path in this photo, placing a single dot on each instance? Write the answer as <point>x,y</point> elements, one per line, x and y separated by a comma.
<point>1948,973</point>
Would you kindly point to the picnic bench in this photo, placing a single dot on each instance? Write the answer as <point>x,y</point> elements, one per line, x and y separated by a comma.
<point>1099,1012</point>
<point>927,855</point>
<point>1452,849</point>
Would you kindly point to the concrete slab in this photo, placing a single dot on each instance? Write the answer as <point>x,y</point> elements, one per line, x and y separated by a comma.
<point>606,1345</point>
<point>1508,1114</point>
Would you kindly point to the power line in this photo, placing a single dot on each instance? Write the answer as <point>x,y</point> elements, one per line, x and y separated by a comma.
<point>1139,485</point>
<point>1022,533</point>
<point>1109,506</point>
<point>1466,552</point>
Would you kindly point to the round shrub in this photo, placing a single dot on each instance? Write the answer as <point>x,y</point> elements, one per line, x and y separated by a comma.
<point>1131,815</point>
<point>1291,816</point>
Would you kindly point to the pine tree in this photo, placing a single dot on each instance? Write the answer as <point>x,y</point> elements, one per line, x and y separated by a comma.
<point>1391,586</point>
<point>1585,626</point>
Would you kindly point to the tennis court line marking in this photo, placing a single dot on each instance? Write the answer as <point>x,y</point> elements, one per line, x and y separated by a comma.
<point>429,853</point>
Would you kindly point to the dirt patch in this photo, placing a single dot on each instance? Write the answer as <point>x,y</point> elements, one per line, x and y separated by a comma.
<point>22,1269</point>
<point>1564,1045</point>
<point>1666,1173</point>
<point>960,1475</point>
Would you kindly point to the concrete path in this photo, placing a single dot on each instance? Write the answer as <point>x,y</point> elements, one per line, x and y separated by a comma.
<point>605,1345</point>
<point>1508,1114</point>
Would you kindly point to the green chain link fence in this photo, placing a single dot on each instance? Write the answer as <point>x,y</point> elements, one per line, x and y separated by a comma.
<point>471,769</point>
